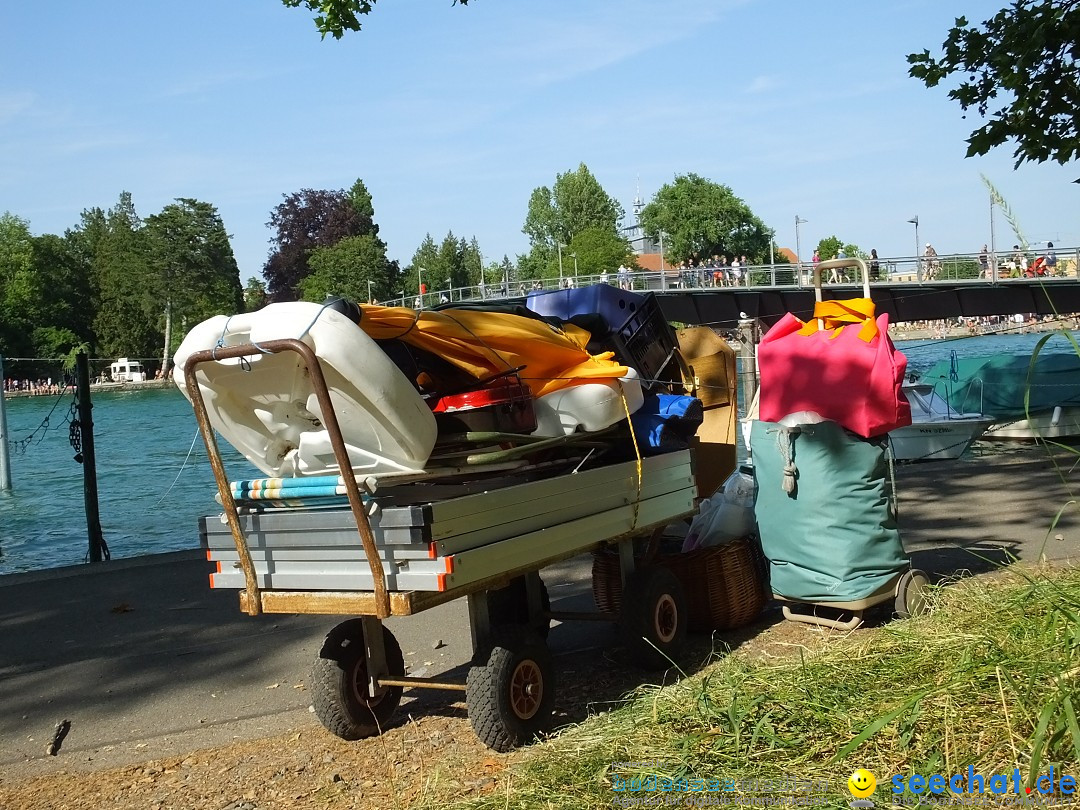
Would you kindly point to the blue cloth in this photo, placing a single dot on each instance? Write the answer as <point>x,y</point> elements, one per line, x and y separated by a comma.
<point>666,422</point>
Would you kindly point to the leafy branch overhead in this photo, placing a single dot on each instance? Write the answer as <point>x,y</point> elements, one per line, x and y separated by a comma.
<point>335,17</point>
<point>1020,73</point>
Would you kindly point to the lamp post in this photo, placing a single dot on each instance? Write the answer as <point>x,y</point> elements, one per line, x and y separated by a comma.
<point>561,246</point>
<point>663,270</point>
<point>369,291</point>
<point>574,257</point>
<point>798,248</point>
<point>450,288</point>
<point>420,285</point>
<point>918,267</point>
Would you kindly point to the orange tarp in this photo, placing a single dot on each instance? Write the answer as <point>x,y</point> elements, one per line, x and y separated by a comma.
<point>488,343</point>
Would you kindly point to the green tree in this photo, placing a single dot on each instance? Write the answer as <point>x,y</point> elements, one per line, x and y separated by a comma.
<point>1018,70</point>
<point>335,17</point>
<point>17,292</point>
<point>351,268</point>
<point>577,201</point>
<point>255,295</point>
<point>66,308</point>
<point>828,247</point>
<point>700,218</point>
<point>599,250</point>
<point>125,321</point>
<point>194,272</point>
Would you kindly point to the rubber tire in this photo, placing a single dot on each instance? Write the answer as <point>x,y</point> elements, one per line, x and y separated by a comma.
<point>510,606</point>
<point>339,683</point>
<point>502,715</point>
<point>911,594</point>
<point>654,612</point>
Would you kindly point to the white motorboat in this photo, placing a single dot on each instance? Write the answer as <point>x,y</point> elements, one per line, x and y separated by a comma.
<point>1031,397</point>
<point>1062,424</point>
<point>937,432</point>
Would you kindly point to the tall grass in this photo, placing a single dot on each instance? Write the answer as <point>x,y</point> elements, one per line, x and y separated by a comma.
<point>989,678</point>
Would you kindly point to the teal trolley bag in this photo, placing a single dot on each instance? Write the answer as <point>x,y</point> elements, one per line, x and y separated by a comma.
<point>827,524</point>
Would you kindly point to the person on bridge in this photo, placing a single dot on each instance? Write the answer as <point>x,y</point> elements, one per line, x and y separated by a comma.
<point>1050,260</point>
<point>931,265</point>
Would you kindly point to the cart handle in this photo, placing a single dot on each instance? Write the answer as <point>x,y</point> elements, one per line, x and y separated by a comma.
<point>834,264</point>
<point>341,455</point>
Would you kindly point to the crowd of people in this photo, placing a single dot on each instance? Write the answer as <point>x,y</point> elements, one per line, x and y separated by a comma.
<point>38,387</point>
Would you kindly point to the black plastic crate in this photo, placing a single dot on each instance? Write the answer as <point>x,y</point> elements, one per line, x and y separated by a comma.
<point>645,340</point>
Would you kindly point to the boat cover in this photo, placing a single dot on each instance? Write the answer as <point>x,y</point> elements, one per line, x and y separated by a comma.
<point>823,512</point>
<point>488,343</point>
<point>998,384</point>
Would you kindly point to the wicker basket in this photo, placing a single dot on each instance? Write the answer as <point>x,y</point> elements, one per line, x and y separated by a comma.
<point>724,587</point>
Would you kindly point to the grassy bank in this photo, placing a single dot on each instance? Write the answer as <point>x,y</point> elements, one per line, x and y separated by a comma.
<point>989,679</point>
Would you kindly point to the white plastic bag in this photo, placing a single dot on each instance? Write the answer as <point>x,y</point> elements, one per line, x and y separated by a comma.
<point>726,516</point>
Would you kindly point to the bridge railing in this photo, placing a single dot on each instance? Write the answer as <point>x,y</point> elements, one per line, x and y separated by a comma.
<point>949,268</point>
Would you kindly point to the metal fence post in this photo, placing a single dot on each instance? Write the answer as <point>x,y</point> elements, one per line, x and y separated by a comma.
<point>5,461</point>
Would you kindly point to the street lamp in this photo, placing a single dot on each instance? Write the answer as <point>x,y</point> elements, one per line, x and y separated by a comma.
<point>663,270</point>
<point>561,246</point>
<point>369,291</point>
<point>450,287</point>
<point>798,248</point>
<point>574,257</point>
<point>420,285</point>
<point>918,267</point>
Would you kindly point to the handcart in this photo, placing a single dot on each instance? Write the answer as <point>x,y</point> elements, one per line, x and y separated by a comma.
<point>406,543</point>
<point>826,513</point>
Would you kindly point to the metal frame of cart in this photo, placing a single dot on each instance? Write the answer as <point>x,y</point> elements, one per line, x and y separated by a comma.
<point>359,674</point>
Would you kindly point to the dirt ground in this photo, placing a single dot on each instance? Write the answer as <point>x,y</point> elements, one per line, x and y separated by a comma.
<point>431,755</point>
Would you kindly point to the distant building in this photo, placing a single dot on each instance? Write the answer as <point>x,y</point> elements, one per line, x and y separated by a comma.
<point>633,233</point>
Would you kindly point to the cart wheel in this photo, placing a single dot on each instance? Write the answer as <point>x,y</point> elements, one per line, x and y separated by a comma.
<point>653,618</point>
<point>339,683</point>
<point>911,594</point>
<point>510,606</point>
<point>510,697</point>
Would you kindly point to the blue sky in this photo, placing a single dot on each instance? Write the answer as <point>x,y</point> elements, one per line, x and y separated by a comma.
<point>453,115</point>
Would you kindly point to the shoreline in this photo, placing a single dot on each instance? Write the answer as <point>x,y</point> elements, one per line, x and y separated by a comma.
<point>97,387</point>
<point>947,330</point>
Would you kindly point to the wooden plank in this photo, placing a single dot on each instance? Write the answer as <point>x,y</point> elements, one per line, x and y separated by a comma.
<point>571,507</point>
<point>536,549</point>
<point>297,576</point>
<point>482,503</point>
<point>524,552</point>
<point>404,538</point>
<point>326,527</point>
<point>322,554</point>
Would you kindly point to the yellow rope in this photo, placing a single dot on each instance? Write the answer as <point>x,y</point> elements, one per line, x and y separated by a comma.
<point>637,454</point>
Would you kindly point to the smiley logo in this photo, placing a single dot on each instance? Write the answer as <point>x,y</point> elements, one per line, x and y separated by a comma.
<point>861,783</point>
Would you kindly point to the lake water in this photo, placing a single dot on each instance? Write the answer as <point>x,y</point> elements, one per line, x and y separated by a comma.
<point>155,481</point>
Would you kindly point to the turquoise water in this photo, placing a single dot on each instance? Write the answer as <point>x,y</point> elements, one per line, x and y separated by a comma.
<point>152,491</point>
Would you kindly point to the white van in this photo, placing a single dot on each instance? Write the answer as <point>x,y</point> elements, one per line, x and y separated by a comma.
<point>124,370</point>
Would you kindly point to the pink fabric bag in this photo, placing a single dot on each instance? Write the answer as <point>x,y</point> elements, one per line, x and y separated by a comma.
<point>841,364</point>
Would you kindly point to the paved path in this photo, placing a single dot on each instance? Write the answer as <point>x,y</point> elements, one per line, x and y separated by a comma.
<point>147,661</point>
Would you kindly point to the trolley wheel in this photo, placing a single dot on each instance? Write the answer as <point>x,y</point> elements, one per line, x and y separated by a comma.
<point>911,594</point>
<point>339,683</point>
<point>510,606</point>
<point>510,697</point>
<point>653,617</point>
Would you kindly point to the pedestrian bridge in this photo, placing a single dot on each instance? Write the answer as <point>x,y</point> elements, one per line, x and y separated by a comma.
<point>723,307</point>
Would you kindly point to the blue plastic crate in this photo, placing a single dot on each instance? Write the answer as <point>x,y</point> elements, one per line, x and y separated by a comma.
<point>613,304</point>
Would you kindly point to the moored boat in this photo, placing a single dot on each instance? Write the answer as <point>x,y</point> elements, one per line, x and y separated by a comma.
<point>1028,396</point>
<point>937,432</point>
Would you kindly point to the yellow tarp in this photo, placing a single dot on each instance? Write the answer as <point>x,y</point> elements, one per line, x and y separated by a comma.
<point>487,343</point>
